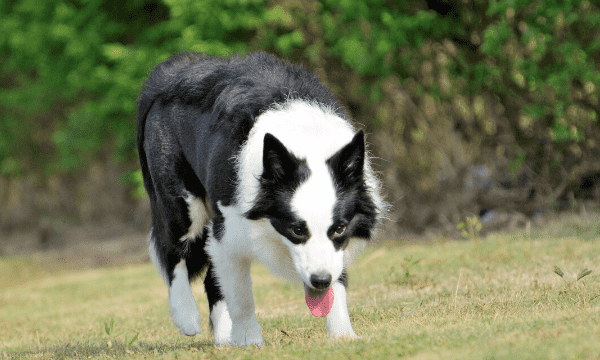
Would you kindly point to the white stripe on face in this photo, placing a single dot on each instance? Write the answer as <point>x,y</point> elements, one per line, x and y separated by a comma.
<point>314,203</point>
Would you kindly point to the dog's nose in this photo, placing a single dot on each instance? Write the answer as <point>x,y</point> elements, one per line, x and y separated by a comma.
<point>320,280</point>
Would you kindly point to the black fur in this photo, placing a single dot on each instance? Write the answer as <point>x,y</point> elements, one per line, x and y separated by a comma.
<point>282,174</point>
<point>194,114</point>
<point>354,207</point>
<point>224,96</point>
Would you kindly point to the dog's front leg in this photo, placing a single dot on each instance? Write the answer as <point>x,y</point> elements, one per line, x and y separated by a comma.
<point>236,285</point>
<point>338,319</point>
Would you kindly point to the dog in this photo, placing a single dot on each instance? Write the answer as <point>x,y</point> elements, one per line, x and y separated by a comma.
<point>252,159</point>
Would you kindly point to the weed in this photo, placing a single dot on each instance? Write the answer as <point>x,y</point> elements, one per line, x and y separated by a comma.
<point>573,290</point>
<point>409,262</point>
<point>109,326</point>
<point>583,273</point>
<point>406,274</point>
<point>133,340</point>
<point>470,228</point>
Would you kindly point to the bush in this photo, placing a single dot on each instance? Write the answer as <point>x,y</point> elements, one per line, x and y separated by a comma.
<point>90,58</point>
<point>512,84</point>
<point>445,84</point>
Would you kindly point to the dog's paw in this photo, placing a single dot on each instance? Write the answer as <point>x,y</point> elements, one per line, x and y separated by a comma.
<point>223,341</point>
<point>347,333</point>
<point>243,336</point>
<point>351,336</point>
<point>190,329</point>
<point>184,311</point>
<point>187,322</point>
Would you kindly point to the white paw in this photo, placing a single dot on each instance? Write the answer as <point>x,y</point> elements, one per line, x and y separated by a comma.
<point>221,322</point>
<point>183,306</point>
<point>348,336</point>
<point>223,341</point>
<point>188,322</point>
<point>243,336</point>
<point>341,330</point>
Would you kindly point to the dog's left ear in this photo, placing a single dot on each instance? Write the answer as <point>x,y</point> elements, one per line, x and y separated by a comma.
<point>347,164</point>
<point>278,163</point>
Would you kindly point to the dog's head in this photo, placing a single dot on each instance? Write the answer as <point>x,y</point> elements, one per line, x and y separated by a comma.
<point>316,206</point>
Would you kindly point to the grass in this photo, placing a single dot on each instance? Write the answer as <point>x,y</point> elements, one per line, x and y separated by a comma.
<point>492,298</point>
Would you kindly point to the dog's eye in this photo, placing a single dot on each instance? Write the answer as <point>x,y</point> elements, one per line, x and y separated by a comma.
<point>340,230</point>
<point>298,231</point>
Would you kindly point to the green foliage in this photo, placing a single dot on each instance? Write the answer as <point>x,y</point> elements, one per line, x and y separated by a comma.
<point>71,71</point>
<point>538,59</point>
<point>583,273</point>
<point>545,53</point>
<point>375,39</point>
<point>109,326</point>
<point>137,181</point>
<point>88,54</point>
<point>573,291</point>
<point>407,275</point>
<point>470,228</point>
<point>109,330</point>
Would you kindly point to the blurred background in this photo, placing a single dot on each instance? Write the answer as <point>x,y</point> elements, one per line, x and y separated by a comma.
<point>482,115</point>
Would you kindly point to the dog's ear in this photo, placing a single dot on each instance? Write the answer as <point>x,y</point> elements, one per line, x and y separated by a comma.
<point>347,164</point>
<point>278,163</point>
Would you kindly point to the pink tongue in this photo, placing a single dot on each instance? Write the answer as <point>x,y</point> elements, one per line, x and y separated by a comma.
<point>320,306</point>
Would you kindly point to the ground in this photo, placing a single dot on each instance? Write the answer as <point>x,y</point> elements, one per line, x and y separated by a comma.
<point>497,297</point>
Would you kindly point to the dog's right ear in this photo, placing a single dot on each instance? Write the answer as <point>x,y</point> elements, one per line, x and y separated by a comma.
<point>348,163</point>
<point>278,163</point>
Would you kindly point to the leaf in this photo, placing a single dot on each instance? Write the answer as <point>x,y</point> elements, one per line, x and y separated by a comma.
<point>133,340</point>
<point>108,327</point>
<point>583,273</point>
<point>558,271</point>
<point>115,51</point>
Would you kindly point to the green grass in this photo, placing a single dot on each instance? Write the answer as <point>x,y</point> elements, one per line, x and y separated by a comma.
<point>497,298</point>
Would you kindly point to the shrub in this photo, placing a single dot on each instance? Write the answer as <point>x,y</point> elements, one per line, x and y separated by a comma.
<point>444,83</point>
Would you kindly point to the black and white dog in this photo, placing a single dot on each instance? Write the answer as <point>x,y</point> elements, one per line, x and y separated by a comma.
<point>252,159</point>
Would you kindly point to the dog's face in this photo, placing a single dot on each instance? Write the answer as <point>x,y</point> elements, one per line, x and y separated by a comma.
<point>315,207</point>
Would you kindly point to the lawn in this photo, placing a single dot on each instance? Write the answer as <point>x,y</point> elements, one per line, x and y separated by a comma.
<point>498,297</point>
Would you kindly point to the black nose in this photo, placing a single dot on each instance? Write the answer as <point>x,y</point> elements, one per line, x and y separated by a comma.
<point>320,280</point>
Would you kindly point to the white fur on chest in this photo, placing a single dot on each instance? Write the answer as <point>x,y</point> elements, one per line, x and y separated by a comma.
<point>255,240</point>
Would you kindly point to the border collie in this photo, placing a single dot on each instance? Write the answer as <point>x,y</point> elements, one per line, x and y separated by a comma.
<point>249,159</point>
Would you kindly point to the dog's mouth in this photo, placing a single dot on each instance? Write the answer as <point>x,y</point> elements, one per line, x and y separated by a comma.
<point>319,301</point>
